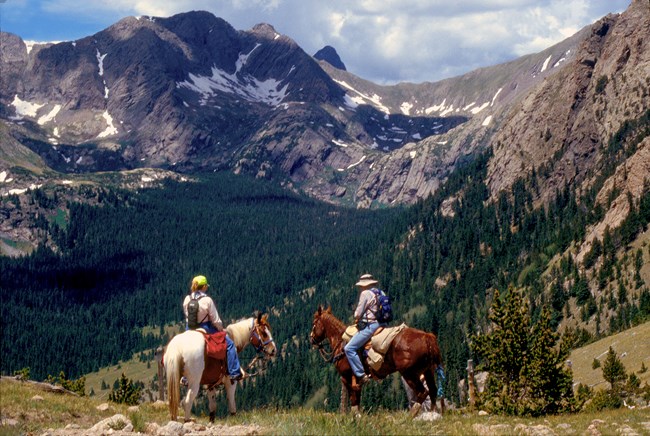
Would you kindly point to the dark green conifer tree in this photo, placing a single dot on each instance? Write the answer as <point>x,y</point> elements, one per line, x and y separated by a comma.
<point>526,363</point>
<point>613,369</point>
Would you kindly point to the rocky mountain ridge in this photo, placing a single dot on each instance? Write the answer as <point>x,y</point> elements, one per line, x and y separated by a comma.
<point>190,93</point>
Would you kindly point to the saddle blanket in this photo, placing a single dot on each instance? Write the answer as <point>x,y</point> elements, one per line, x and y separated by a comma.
<point>382,339</point>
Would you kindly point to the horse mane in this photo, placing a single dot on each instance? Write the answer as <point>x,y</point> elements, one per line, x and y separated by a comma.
<point>240,332</point>
<point>337,323</point>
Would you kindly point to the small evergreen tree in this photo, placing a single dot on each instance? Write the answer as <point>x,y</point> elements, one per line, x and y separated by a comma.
<point>127,392</point>
<point>613,369</point>
<point>526,365</point>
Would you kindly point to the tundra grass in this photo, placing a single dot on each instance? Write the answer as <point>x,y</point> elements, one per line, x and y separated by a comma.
<point>24,413</point>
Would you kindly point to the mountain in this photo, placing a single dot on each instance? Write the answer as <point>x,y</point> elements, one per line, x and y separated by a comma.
<point>537,170</point>
<point>329,55</point>
<point>190,93</point>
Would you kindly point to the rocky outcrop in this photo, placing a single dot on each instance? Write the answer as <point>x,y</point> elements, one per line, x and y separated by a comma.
<point>191,93</point>
<point>562,127</point>
<point>329,55</point>
<point>121,425</point>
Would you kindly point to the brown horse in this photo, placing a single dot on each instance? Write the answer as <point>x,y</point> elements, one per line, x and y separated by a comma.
<point>413,354</point>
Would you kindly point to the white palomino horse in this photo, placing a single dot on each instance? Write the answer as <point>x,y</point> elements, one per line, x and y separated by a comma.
<point>185,355</point>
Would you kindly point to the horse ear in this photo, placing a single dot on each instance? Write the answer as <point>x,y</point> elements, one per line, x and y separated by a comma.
<point>329,309</point>
<point>320,309</point>
<point>259,316</point>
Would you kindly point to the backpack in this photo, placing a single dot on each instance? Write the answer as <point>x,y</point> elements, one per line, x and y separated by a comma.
<point>193,313</point>
<point>385,312</point>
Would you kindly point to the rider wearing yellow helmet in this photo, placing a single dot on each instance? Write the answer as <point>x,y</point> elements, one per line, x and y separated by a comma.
<point>209,320</point>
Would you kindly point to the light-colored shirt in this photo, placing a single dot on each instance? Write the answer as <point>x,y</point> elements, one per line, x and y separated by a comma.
<point>367,308</point>
<point>207,309</point>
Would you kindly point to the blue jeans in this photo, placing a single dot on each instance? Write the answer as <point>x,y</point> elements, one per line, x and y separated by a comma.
<point>358,341</point>
<point>234,369</point>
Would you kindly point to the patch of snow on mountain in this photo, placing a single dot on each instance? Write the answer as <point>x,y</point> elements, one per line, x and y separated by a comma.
<point>374,100</point>
<point>495,96</point>
<point>557,64</point>
<point>406,108</point>
<point>49,117</point>
<point>30,44</point>
<point>110,130</point>
<point>480,108</point>
<point>487,121</point>
<point>413,154</point>
<point>466,108</point>
<point>25,108</point>
<point>548,59</point>
<point>357,163</point>
<point>243,85</point>
<point>447,111</point>
<point>416,136</point>
<point>442,108</point>
<point>243,58</point>
<point>352,102</point>
<point>56,132</point>
<point>339,143</point>
<point>100,61</point>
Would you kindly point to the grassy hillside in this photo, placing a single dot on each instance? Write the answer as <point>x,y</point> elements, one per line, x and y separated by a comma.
<point>632,348</point>
<point>24,413</point>
<point>134,369</point>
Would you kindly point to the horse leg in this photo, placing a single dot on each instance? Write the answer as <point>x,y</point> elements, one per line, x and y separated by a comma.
<point>193,387</point>
<point>212,403</point>
<point>345,397</point>
<point>433,390</point>
<point>193,371</point>
<point>414,382</point>
<point>230,394</point>
<point>355,398</point>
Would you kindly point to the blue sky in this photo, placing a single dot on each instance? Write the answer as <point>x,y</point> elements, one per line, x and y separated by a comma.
<point>385,41</point>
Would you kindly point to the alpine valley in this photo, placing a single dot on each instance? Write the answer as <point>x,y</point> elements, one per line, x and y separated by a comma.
<point>161,148</point>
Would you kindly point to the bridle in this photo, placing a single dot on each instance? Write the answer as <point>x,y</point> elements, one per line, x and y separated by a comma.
<point>256,336</point>
<point>328,356</point>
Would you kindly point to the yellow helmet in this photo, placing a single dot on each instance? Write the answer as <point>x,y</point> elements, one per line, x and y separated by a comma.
<point>200,281</point>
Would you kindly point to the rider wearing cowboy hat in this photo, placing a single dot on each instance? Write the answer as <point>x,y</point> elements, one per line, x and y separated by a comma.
<point>365,316</point>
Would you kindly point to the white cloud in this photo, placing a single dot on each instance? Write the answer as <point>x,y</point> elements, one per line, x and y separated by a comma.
<point>380,40</point>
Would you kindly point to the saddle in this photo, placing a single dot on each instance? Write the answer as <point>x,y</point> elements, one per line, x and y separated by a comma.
<point>215,357</point>
<point>378,344</point>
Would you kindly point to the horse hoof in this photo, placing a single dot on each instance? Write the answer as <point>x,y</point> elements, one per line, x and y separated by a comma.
<point>415,410</point>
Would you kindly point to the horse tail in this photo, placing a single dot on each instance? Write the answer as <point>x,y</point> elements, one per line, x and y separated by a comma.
<point>434,350</point>
<point>173,365</point>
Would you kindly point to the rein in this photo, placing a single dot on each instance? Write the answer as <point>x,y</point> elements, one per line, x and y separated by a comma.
<point>329,356</point>
<point>255,335</point>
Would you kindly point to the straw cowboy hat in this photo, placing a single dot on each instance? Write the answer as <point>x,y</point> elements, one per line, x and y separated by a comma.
<point>366,280</point>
